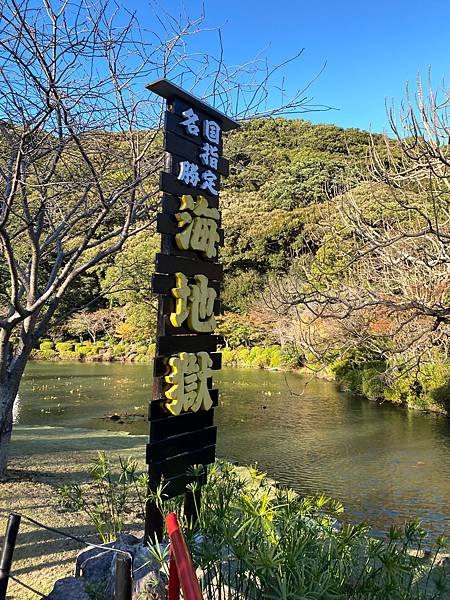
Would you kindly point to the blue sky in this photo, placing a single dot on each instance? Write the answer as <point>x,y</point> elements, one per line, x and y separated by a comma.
<point>371,49</point>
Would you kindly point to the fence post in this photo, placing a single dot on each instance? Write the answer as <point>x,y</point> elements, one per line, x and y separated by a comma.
<point>124,580</point>
<point>12,529</point>
<point>154,522</point>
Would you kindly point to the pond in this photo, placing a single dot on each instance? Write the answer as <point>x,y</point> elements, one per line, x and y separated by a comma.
<point>385,464</point>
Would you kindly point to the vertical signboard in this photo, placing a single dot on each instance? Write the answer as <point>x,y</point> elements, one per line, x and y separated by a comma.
<point>187,279</point>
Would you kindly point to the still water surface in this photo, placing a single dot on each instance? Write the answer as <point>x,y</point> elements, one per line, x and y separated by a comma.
<point>384,463</point>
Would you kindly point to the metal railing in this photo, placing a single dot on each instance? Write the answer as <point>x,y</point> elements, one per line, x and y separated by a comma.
<point>182,575</point>
<point>124,566</point>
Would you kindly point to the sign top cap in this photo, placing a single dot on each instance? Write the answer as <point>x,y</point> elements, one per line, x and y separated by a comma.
<point>168,90</point>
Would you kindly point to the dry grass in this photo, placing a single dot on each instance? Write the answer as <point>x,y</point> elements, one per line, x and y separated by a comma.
<point>43,459</point>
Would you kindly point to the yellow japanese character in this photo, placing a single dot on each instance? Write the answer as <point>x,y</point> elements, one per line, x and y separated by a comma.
<point>189,382</point>
<point>198,234</point>
<point>183,392</point>
<point>199,229</point>
<point>194,302</point>
<point>199,206</point>
<point>201,306</point>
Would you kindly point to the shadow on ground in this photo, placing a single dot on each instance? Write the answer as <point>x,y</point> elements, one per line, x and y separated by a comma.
<point>42,460</point>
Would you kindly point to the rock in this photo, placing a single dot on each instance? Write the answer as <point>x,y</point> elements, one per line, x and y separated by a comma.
<point>69,588</point>
<point>85,565</point>
<point>126,540</point>
<point>139,534</point>
<point>424,554</point>
<point>96,567</point>
<point>148,581</point>
<point>335,524</point>
<point>444,561</point>
<point>150,587</point>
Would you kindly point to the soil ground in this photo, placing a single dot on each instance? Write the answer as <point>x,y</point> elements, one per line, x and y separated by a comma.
<point>42,460</point>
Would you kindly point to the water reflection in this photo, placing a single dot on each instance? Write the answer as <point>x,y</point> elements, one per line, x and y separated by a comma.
<point>385,464</point>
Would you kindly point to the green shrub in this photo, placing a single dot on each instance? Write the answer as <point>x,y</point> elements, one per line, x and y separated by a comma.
<point>243,357</point>
<point>254,541</point>
<point>347,374</point>
<point>275,356</point>
<point>255,357</point>
<point>84,350</point>
<point>290,357</point>
<point>373,385</point>
<point>360,372</point>
<point>437,384</point>
<point>113,495</point>
<point>262,357</point>
<point>46,345</point>
<point>142,358</point>
<point>141,349</point>
<point>270,357</point>
<point>44,354</point>
<point>398,391</point>
<point>151,350</point>
<point>227,357</point>
<point>69,355</point>
<point>119,349</point>
<point>64,346</point>
<point>427,389</point>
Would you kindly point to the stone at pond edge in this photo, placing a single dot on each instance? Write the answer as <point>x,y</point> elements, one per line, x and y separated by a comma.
<point>69,588</point>
<point>94,564</point>
<point>95,570</point>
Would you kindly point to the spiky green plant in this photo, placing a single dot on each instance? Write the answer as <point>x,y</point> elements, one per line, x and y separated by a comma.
<point>257,542</point>
<point>112,497</point>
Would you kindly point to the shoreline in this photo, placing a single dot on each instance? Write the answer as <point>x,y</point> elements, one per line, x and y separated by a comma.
<point>135,358</point>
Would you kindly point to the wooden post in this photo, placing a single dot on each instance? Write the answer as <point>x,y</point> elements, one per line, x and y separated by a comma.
<point>124,580</point>
<point>187,280</point>
<point>9,544</point>
<point>154,520</point>
<point>153,523</point>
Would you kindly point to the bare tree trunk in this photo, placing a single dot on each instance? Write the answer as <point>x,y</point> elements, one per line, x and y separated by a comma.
<point>8,394</point>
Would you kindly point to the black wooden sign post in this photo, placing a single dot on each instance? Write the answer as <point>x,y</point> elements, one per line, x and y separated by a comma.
<point>187,279</point>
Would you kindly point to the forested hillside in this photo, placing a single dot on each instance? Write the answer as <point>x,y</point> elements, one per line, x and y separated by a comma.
<point>280,169</point>
<point>330,261</point>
